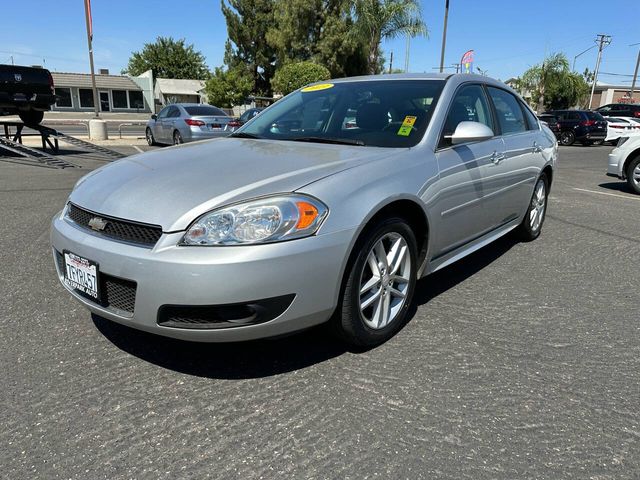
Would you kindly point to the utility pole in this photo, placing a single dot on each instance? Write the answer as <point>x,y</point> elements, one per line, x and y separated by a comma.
<point>603,41</point>
<point>391,62</point>
<point>87,14</point>
<point>444,35</point>
<point>635,72</point>
<point>12,60</point>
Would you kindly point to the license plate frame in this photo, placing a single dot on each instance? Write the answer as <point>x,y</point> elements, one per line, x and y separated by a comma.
<point>82,275</point>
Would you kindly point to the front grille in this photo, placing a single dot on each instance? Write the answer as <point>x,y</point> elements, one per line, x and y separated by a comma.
<point>117,293</point>
<point>125,230</point>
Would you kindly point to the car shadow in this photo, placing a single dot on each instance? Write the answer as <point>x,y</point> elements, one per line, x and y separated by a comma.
<point>238,360</point>
<point>269,357</point>
<point>619,186</point>
<point>443,280</point>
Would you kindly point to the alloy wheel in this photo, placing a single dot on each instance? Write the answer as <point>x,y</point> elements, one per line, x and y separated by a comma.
<point>384,281</point>
<point>635,177</point>
<point>538,206</point>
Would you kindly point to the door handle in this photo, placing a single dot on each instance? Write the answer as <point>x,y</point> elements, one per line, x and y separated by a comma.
<point>497,157</point>
<point>537,148</point>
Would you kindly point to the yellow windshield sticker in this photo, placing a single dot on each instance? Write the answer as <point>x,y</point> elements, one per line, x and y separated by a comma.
<point>407,125</point>
<point>316,88</point>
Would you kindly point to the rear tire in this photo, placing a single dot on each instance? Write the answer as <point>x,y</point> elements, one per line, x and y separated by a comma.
<point>531,225</point>
<point>633,174</point>
<point>177,138</point>
<point>31,117</point>
<point>379,285</point>
<point>567,138</point>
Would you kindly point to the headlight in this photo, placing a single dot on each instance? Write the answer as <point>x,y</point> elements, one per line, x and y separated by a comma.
<point>265,220</point>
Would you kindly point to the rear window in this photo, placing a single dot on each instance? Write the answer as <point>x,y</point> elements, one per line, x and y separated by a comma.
<point>205,110</point>
<point>595,116</point>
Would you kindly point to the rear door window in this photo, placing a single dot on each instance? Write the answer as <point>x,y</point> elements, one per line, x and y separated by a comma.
<point>510,116</point>
<point>595,116</point>
<point>532,120</point>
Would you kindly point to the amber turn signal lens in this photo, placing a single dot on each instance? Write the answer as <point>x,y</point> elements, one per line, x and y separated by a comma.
<point>307,215</point>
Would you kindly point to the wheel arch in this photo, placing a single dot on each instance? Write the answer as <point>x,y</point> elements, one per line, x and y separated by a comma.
<point>409,209</point>
<point>630,158</point>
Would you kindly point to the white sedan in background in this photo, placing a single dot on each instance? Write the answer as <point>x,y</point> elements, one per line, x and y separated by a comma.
<point>624,160</point>
<point>620,126</point>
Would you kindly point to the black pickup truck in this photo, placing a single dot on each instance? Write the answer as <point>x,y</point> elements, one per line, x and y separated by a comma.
<point>26,91</point>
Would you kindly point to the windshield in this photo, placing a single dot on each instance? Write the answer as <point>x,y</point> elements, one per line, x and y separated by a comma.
<point>205,110</point>
<point>382,113</point>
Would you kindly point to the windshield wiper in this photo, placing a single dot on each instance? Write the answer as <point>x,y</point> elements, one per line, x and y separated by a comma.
<point>336,141</point>
<point>244,135</point>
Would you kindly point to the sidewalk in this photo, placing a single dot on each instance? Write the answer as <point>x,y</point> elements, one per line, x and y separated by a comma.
<point>52,117</point>
<point>112,142</point>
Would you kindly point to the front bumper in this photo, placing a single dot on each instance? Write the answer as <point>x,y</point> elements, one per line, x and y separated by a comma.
<point>614,167</point>
<point>310,268</point>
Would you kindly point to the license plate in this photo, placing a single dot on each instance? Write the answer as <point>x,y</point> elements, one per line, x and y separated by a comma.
<point>81,274</point>
<point>215,126</point>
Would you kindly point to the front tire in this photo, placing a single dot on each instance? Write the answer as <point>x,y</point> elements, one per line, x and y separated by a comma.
<point>633,174</point>
<point>149,136</point>
<point>31,117</point>
<point>379,286</point>
<point>531,225</point>
<point>567,138</point>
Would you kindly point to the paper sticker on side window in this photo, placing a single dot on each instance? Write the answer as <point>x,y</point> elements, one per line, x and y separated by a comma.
<point>407,126</point>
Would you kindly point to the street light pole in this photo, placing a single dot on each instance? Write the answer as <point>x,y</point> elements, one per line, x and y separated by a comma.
<point>603,41</point>
<point>87,14</point>
<point>444,34</point>
<point>573,68</point>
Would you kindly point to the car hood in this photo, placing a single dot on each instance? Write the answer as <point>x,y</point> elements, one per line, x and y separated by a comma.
<point>172,186</point>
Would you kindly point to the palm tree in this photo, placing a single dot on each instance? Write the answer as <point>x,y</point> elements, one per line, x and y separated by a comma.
<point>538,78</point>
<point>381,19</point>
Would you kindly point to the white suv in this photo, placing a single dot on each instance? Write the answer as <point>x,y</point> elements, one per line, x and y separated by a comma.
<point>624,161</point>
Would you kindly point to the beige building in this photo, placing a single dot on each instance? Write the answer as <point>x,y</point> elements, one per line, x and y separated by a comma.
<point>606,93</point>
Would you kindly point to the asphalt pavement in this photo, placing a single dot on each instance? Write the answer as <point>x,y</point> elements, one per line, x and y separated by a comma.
<point>521,361</point>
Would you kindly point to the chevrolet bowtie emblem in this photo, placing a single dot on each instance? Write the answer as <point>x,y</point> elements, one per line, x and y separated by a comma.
<point>98,224</point>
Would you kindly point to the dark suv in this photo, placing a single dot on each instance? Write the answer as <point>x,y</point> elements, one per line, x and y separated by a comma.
<point>620,110</point>
<point>582,126</point>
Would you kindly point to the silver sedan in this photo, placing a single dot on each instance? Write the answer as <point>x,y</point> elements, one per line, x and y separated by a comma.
<point>326,207</point>
<point>187,122</point>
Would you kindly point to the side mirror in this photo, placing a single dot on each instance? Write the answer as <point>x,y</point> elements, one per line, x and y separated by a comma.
<point>467,132</point>
<point>154,117</point>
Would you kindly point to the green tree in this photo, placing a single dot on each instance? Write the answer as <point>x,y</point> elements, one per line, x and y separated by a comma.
<point>226,88</point>
<point>383,19</point>
<point>553,85</point>
<point>292,76</point>
<point>247,24</point>
<point>168,58</point>
<point>319,31</point>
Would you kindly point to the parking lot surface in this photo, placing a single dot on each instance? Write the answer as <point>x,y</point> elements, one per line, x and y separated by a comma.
<point>522,361</point>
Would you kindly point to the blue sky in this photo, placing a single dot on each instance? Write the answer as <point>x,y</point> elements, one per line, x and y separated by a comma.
<point>507,36</point>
